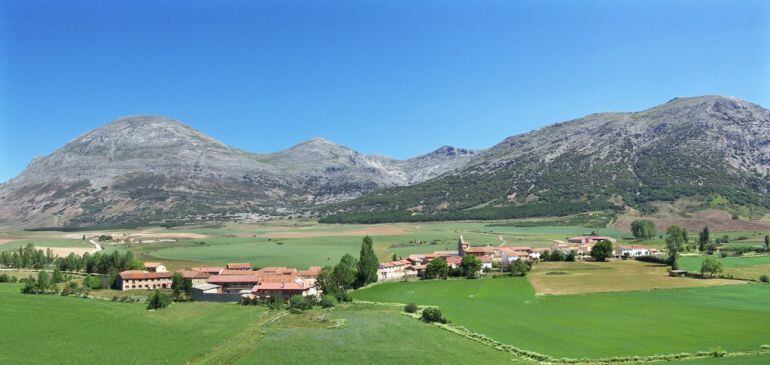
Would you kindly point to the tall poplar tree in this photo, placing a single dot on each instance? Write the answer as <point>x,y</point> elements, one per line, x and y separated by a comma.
<point>367,264</point>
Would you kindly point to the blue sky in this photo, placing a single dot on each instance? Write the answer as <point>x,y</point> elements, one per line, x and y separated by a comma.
<point>398,78</point>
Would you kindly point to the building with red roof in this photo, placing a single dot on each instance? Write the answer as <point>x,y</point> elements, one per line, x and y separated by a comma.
<point>138,279</point>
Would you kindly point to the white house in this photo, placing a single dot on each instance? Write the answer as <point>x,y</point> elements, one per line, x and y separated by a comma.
<point>633,251</point>
<point>393,270</point>
<point>155,267</point>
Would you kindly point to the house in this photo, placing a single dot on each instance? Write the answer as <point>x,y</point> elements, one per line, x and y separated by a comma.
<point>486,262</point>
<point>393,270</point>
<point>279,270</point>
<point>454,261</point>
<point>510,254</point>
<point>195,277</point>
<point>234,283</point>
<point>155,267</point>
<point>138,279</point>
<point>244,266</point>
<point>632,251</point>
<point>286,289</point>
<point>589,239</point>
<point>209,270</point>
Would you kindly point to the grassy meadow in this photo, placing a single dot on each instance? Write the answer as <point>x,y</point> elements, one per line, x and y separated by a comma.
<point>40,329</point>
<point>559,278</point>
<point>745,267</point>
<point>595,325</point>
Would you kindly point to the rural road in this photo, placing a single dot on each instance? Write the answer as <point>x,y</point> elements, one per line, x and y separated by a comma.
<point>98,246</point>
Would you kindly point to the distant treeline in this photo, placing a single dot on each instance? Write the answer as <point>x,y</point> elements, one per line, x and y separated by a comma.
<point>29,257</point>
<point>489,213</point>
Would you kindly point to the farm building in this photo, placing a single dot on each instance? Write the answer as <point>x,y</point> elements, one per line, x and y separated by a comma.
<point>244,266</point>
<point>633,251</point>
<point>234,283</point>
<point>286,289</point>
<point>137,279</point>
<point>195,277</point>
<point>395,270</point>
<point>155,267</point>
<point>209,270</point>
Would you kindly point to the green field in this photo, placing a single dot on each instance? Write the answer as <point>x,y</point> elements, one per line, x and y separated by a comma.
<point>39,329</point>
<point>596,325</point>
<point>323,244</point>
<point>747,267</point>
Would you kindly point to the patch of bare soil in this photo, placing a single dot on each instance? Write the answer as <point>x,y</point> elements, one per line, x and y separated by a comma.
<point>64,251</point>
<point>717,220</point>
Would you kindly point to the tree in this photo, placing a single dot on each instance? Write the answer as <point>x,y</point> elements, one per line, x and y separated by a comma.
<point>367,264</point>
<point>276,302</point>
<point>410,308</point>
<point>344,274</point>
<point>571,256</point>
<point>327,283</point>
<point>158,300</point>
<point>43,281</point>
<point>767,243</point>
<point>470,265</point>
<point>558,255</point>
<point>643,228</point>
<point>433,314</point>
<point>703,238</point>
<point>674,244</point>
<point>519,268</point>
<point>57,276</point>
<point>394,257</point>
<point>602,250</point>
<point>437,268</point>
<point>328,301</point>
<point>710,266</point>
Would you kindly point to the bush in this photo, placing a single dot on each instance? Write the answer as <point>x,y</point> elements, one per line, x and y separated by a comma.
<point>276,302</point>
<point>433,314</point>
<point>328,301</point>
<point>764,278</point>
<point>653,259</point>
<point>294,310</point>
<point>410,308</point>
<point>158,300</point>
<point>301,302</point>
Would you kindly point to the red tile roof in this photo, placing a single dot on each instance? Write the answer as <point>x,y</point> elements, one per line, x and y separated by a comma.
<point>239,265</point>
<point>215,269</point>
<point>190,274</point>
<point>143,275</point>
<point>224,279</point>
<point>152,264</point>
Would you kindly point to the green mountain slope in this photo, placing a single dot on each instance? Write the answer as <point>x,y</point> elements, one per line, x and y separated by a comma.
<point>686,147</point>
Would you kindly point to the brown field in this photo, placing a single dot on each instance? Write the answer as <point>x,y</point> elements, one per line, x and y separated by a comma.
<point>562,278</point>
<point>64,251</point>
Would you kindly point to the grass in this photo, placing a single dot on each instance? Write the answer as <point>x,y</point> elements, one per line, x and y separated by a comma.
<point>747,267</point>
<point>54,329</point>
<point>558,278</point>
<point>595,325</point>
<point>40,329</point>
<point>366,334</point>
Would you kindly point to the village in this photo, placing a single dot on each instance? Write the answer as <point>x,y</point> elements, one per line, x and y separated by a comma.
<point>236,282</point>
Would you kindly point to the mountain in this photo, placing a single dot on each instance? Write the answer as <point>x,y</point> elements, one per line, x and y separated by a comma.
<point>143,169</point>
<point>709,146</point>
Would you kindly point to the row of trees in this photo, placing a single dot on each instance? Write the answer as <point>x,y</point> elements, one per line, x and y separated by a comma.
<point>350,273</point>
<point>438,269</point>
<point>28,257</point>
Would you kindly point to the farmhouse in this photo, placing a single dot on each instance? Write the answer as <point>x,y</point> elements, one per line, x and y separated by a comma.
<point>285,289</point>
<point>209,270</point>
<point>589,239</point>
<point>395,270</point>
<point>155,267</point>
<point>234,283</point>
<point>244,266</point>
<point>137,279</point>
<point>633,251</point>
<point>195,277</point>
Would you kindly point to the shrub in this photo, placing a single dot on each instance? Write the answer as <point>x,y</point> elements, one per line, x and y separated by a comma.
<point>294,310</point>
<point>653,259</point>
<point>276,302</point>
<point>328,301</point>
<point>433,314</point>
<point>301,302</point>
<point>764,278</point>
<point>158,300</point>
<point>410,308</point>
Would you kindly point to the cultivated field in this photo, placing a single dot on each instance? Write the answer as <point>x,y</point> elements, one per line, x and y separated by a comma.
<point>745,267</point>
<point>734,317</point>
<point>68,330</point>
<point>558,278</point>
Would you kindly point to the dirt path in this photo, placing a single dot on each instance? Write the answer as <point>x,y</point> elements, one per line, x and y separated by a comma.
<point>97,245</point>
<point>241,343</point>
